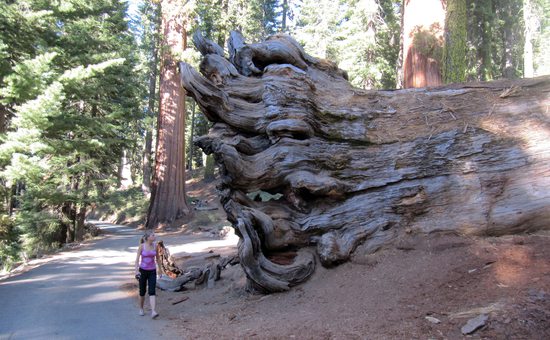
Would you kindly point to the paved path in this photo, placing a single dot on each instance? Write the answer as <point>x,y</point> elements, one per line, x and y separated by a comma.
<point>78,295</point>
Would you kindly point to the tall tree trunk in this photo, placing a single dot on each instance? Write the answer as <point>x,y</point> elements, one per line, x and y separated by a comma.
<point>509,33</point>
<point>191,145</point>
<point>530,23</point>
<point>80,221</point>
<point>454,58</point>
<point>68,211</point>
<point>12,199</point>
<point>80,211</point>
<point>146,185</point>
<point>422,42</point>
<point>168,201</point>
<point>153,74</point>
<point>285,12</point>
<point>124,175</point>
<point>399,67</point>
<point>209,168</point>
<point>4,113</point>
<point>484,15</point>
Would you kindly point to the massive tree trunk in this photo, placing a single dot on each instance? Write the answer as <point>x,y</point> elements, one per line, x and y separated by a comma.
<point>310,164</point>
<point>168,187</point>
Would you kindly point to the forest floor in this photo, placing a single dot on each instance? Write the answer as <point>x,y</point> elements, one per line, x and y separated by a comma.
<point>421,287</point>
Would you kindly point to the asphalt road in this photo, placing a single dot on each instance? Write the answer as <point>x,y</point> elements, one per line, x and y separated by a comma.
<point>78,295</point>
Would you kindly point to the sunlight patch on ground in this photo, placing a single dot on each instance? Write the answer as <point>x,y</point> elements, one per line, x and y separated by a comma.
<point>99,256</point>
<point>102,297</point>
<point>37,279</point>
<point>201,246</point>
<point>511,270</point>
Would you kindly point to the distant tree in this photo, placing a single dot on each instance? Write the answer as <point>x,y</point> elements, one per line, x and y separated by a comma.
<point>256,19</point>
<point>285,11</point>
<point>531,23</point>
<point>150,13</point>
<point>422,42</point>
<point>510,36</point>
<point>362,36</point>
<point>536,18</point>
<point>541,44</point>
<point>480,36</point>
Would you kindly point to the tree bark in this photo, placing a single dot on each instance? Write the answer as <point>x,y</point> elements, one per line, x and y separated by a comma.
<point>454,55</point>
<point>168,201</point>
<point>340,166</point>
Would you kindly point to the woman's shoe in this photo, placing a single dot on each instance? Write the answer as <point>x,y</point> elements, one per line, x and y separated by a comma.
<point>141,312</point>
<point>154,315</point>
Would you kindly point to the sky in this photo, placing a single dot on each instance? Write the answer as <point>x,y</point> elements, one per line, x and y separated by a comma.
<point>133,7</point>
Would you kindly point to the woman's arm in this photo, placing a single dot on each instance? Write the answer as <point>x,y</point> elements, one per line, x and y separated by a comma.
<point>137,259</point>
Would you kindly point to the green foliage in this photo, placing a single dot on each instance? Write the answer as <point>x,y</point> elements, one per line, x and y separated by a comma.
<point>9,242</point>
<point>123,205</point>
<point>256,19</point>
<point>496,38</point>
<point>74,93</point>
<point>480,41</point>
<point>41,231</point>
<point>362,36</point>
<point>428,44</point>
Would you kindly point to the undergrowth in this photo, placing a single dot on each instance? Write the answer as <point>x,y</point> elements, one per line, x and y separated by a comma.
<point>122,206</point>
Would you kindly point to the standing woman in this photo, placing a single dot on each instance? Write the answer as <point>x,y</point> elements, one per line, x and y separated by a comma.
<point>147,273</point>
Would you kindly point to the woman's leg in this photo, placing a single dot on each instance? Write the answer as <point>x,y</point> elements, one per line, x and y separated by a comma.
<point>142,288</point>
<point>152,282</point>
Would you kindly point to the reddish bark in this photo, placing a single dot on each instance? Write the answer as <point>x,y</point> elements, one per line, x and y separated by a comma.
<point>168,187</point>
<point>423,21</point>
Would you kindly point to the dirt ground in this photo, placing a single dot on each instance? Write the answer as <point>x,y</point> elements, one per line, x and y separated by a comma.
<point>421,287</point>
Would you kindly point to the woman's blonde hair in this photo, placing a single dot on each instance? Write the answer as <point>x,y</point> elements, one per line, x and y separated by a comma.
<point>145,236</point>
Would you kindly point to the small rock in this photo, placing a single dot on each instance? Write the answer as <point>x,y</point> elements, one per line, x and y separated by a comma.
<point>474,324</point>
<point>432,319</point>
<point>537,295</point>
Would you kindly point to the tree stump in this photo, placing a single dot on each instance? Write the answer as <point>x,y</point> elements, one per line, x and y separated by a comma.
<point>338,166</point>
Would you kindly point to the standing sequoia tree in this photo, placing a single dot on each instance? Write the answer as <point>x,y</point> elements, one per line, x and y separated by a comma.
<point>422,42</point>
<point>168,187</point>
<point>344,167</point>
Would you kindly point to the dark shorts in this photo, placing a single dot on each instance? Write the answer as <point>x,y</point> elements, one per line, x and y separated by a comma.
<point>147,278</point>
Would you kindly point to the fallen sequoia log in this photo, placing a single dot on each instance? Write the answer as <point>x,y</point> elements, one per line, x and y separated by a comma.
<point>343,166</point>
<point>176,278</point>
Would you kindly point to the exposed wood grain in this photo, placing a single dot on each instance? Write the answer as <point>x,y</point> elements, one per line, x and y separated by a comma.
<point>343,166</point>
